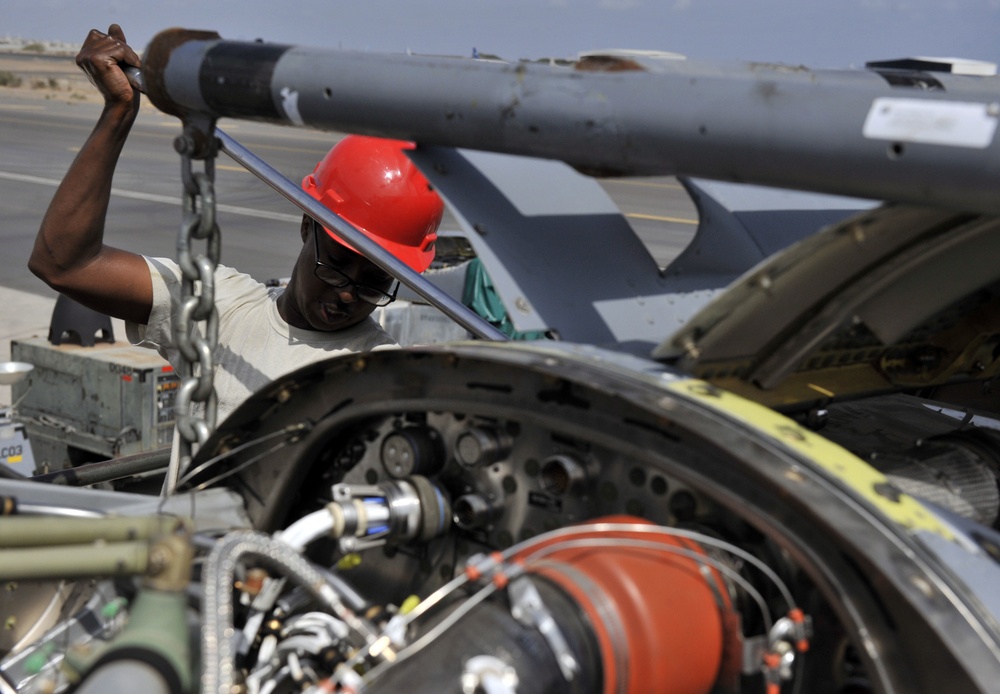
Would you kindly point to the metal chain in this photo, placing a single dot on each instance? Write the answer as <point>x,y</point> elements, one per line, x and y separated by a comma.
<point>196,328</point>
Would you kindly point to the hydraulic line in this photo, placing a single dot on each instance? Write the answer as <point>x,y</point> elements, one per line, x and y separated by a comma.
<point>362,516</point>
<point>34,531</point>
<point>64,512</point>
<point>121,558</point>
<point>306,529</point>
<point>108,470</point>
<point>51,547</point>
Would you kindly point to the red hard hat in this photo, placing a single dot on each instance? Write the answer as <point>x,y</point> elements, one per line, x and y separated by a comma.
<point>370,182</point>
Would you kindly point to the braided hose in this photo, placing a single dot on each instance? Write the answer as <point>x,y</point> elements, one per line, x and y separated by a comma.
<point>217,633</point>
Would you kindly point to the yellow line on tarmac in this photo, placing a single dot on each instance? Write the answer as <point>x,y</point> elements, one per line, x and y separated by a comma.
<point>658,218</point>
<point>637,182</point>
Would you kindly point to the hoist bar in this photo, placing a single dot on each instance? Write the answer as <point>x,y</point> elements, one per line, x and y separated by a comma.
<point>876,133</point>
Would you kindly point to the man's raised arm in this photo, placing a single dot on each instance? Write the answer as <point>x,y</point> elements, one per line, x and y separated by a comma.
<point>69,253</point>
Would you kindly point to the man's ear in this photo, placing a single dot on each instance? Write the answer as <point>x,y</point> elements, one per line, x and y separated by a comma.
<point>305,227</point>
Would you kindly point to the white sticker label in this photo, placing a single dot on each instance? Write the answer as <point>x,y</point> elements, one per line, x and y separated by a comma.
<point>951,123</point>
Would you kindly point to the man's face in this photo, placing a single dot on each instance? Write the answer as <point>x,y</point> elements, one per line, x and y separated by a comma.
<point>324,263</point>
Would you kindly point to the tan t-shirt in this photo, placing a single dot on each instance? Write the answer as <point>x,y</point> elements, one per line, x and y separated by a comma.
<point>255,344</point>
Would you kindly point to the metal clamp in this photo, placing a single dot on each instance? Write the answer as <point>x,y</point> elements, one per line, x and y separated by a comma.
<point>526,607</point>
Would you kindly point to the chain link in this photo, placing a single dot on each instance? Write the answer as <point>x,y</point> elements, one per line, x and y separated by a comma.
<point>196,329</point>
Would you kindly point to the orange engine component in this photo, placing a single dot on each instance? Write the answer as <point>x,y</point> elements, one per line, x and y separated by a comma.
<point>663,618</point>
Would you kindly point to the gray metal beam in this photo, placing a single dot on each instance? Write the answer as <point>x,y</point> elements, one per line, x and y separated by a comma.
<point>859,133</point>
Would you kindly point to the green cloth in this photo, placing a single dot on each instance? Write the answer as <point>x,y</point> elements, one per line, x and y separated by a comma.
<point>481,297</point>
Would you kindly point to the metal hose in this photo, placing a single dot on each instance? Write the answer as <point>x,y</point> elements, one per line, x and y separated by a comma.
<point>299,534</point>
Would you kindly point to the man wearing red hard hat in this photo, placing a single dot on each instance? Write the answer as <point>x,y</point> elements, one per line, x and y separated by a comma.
<point>373,185</point>
<point>264,332</point>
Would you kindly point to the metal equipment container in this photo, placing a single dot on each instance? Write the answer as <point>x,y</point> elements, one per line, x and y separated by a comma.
<point>93,403</point>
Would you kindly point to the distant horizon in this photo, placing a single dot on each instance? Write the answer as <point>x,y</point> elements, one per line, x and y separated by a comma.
<point>9,40</point>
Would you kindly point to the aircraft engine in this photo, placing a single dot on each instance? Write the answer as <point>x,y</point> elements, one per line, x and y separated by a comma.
<point>531,518</point>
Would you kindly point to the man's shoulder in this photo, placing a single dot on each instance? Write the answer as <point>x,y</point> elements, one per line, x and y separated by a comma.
<point>239,284</point>
<point>169,268</point>
<point>233,289</point>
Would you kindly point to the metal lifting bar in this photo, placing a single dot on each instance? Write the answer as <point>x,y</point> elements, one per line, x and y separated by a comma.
<point>454,309</point>
<point>862,133</point>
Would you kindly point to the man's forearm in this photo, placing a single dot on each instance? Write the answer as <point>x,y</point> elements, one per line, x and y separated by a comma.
<point>69,252</point>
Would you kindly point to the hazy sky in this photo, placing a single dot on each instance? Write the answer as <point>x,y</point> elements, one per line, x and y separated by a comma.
<point>815,33</point>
